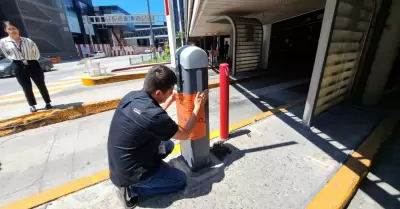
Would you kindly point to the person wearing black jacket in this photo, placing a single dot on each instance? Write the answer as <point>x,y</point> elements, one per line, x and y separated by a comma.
<point>140,138</point>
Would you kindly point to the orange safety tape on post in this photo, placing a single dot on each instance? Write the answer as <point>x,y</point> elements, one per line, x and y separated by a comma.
<point>185,106</point>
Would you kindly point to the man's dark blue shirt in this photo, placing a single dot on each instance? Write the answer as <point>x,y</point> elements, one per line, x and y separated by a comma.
<point>138,126</point>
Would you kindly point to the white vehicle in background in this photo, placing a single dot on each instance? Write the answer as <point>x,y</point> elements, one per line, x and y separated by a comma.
<point>98,55</point>
<point>147,51</point>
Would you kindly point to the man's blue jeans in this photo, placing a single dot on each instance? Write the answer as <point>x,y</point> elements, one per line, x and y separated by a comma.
<point>166,180</point>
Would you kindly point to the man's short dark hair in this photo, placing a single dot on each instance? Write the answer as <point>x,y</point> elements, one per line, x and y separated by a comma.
<point>159,77</point>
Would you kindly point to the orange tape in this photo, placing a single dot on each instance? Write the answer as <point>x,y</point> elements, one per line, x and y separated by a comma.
<point>185,106</point>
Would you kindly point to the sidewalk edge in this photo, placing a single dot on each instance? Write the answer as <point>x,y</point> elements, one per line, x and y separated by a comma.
<point>40,119</point>
<point>140,66</point>
<point>36,120</point>
<point>101,80</point>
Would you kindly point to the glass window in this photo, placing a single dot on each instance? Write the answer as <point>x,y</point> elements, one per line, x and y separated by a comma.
<point>84,8</point>
<point>72,17</point>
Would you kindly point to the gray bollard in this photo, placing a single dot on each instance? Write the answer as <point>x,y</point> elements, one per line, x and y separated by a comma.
<point>192,73</point>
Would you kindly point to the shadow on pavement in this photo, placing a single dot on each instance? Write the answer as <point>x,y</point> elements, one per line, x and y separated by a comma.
<point>239,132</point>
<point>65,106</point>
<point>195,189</point>
<point>337,132</point>
<point>382,183</point>
<point>277,96</point>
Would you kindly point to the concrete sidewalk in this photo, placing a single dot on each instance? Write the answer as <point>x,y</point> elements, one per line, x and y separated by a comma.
<point>275,163</point>
<point>39,159</point>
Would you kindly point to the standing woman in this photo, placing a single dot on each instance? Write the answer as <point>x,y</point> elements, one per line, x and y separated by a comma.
<point>24,55</point>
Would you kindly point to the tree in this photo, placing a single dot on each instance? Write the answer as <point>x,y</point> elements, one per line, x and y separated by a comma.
<point>178,39</point>
<point>166,49</point>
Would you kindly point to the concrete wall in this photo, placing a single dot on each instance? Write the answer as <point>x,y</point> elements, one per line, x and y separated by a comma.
<point>231,43</point>
<point>265,49</point>
<point>384,58</point>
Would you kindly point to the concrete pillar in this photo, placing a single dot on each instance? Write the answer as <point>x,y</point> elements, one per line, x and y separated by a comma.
<point>384,58</point>
<point>231,43</point>
<point>265,46</point>
<point>113,39</point>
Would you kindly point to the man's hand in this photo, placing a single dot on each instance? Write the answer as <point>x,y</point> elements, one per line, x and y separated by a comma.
<point>199,102</point>
<point>200,99</point>
<point>169,101</point>
<point>172,98</point>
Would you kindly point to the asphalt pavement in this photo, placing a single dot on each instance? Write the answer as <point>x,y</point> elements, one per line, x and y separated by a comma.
<point>10,85</point>
<point>64,77</point>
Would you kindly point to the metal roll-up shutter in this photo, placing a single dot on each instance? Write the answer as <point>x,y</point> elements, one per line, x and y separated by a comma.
<point>349,31</point>
<point>249,37</point>
<point>347,41</point>
<point>345,27</point>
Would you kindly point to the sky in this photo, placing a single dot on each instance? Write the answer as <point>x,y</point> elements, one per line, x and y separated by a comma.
<point>134,6</point>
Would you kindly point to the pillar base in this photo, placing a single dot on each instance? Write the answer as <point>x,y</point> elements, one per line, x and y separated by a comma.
<point>195,178</point>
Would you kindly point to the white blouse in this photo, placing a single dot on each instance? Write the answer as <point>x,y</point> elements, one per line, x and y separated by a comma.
<point>27,50</point>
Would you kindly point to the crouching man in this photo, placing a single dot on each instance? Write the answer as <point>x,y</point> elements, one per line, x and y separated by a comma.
<point>140,138</point>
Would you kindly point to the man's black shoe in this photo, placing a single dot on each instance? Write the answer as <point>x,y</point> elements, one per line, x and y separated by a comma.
<point>48,106</point>
<point>124,194</point>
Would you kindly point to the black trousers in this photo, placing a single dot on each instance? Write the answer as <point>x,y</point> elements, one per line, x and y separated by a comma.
<point>25,73</point>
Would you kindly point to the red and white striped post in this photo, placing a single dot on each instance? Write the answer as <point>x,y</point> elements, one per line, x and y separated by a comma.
<point>169,12</point>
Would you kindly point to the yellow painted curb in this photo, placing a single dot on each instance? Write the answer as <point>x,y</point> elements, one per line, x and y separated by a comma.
<point>341,187</point>
<point>82,183</point>
<point>70,187</point>
<point>100,80</point>
<point>94,81</point>
<point>40,119</point>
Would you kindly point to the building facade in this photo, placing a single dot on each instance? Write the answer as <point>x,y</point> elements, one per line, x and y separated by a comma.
<point>176,14</point>
<point>112,33</point>
<point>76,12</point>
<point>43,21</point>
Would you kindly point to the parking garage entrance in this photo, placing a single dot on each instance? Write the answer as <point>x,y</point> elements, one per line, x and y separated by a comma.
<point>294,42</point>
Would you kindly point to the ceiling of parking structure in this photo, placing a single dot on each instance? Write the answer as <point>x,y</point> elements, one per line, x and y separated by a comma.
<point>267,11</point>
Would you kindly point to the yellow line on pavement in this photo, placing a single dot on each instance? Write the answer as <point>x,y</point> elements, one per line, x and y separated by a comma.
<point>61,82</point>
<point>340,188</point>
<point>82,183</point>
<point>34,91</point>
<point>59,191</point>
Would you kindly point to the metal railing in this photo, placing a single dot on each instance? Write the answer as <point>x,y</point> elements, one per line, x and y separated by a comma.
<point>126,19</point>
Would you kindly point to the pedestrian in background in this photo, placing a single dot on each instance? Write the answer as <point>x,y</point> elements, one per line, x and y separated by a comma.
<point>226,50</point>
<point>24,55</point>
<point>160,51</point>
